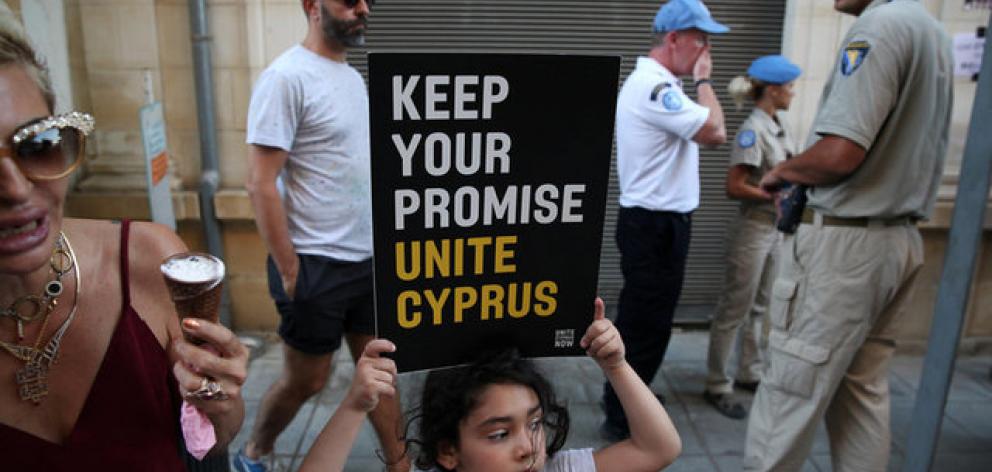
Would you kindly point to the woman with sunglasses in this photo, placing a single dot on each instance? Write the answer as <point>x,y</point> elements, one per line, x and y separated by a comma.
<point>93,365</point>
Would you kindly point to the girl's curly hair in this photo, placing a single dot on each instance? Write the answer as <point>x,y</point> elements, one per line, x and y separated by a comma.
<point>450,395</point>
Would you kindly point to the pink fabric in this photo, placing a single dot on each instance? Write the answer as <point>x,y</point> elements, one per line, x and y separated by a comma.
<point>198,431</point>
<point>197,428</point>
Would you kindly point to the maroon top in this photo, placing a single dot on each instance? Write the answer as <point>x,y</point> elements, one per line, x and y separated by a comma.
<point>129,421</point>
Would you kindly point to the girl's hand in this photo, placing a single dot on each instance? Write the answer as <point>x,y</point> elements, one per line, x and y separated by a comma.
<point>374,376</point>
<point>602,340</point>
<point>210,375</point>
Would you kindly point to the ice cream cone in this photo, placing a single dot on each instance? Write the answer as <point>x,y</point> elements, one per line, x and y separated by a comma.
<point>195,282</point>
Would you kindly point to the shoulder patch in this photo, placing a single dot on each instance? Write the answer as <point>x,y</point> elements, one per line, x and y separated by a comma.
<point>854,55</point>
<point>671,100</point>
<point>657,89</point>
<point>746,139</point>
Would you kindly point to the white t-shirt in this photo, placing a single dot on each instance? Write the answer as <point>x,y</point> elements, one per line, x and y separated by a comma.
<point>572,460</point>
<point>318,110</point>
<point>657,161</point>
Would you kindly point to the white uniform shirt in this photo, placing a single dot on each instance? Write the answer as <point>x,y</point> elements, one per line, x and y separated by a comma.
<point>657,161</point>
<point>318,110</point>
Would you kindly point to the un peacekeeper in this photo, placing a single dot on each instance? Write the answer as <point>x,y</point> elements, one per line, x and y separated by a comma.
<point>659,129</point>
<point>762,142</point>
<point>874,164</point>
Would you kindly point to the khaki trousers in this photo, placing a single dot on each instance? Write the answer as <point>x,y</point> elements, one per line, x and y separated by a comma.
<point>840,293</point>
<point>751,261</point>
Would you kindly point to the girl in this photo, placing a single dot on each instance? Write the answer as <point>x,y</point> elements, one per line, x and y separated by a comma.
<point>500,414</point>
<point>762,141</point>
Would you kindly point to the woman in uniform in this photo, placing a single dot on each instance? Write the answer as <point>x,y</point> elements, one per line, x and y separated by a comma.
<point>762,142</point>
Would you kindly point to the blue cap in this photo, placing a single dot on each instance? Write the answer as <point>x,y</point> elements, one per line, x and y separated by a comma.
<point>776,70</point>
<point>677,15</point>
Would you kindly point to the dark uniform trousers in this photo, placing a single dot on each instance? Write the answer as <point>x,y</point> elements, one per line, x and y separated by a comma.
<point>653,248</point>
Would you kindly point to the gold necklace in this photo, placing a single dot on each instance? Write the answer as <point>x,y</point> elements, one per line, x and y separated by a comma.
<point>39,306</point>
<point>32,379</point>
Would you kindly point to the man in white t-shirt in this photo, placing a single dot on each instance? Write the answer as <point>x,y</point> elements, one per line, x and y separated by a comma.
<point>659,129</point>
<point>308,127</point>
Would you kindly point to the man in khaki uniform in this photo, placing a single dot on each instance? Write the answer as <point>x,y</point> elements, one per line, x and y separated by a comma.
<point>875,161</point>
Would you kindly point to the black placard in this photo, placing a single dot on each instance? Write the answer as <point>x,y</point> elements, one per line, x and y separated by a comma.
<point>489,181</point>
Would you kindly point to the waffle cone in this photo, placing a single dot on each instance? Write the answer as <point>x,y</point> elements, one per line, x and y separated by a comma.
<point>196,299</point>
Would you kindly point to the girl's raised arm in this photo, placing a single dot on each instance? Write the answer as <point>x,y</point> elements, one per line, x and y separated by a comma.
<point>375,376</point>
<point>654,443</point>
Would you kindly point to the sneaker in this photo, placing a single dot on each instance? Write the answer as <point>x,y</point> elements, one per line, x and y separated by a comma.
<point>726,404</point>
<point>613,433</point>
<point>242,463</point>
<point>749,386</point>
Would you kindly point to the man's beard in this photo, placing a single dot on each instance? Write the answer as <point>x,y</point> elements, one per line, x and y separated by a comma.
<point>342,31</point>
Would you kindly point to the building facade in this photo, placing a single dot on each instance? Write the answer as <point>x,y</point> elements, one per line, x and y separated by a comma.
<point>110,57</point>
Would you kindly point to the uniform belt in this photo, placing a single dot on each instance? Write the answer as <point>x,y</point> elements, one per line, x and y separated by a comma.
<point>760,216</point>
<point>863,222</point>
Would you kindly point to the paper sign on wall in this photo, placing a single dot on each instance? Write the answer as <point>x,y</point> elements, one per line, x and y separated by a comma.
<point>157,164</point>
<point>968,50</point>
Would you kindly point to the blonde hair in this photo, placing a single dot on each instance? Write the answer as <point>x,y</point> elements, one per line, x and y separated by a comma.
<point>17,51</point>
<point>742,87</point>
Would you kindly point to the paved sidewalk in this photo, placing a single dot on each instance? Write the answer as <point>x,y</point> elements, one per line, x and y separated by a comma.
<point>710,440</point>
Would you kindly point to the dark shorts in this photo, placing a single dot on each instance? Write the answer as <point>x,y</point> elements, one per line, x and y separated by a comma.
<point>332,298</point>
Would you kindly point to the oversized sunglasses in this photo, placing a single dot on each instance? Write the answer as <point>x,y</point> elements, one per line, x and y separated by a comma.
<point>49,148</point>
<point>353,3</point>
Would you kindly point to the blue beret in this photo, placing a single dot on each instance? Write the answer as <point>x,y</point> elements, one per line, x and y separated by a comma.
<point>775,70</point>
<point>678,15</point>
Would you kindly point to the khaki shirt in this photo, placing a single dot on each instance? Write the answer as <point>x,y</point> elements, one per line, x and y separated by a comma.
<point>891,93</point>
<point>761,143</point>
